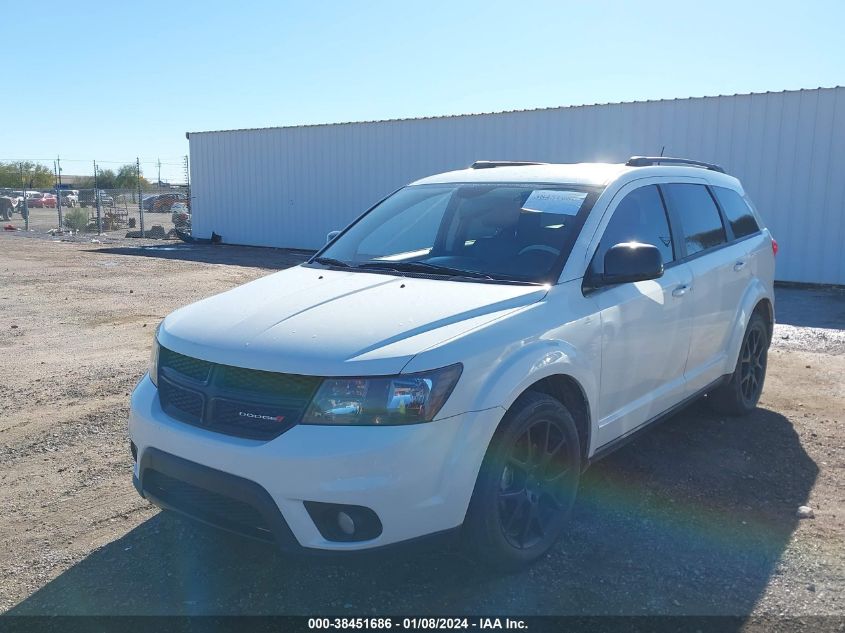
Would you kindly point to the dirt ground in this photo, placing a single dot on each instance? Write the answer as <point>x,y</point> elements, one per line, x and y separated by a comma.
<point>698,516</point>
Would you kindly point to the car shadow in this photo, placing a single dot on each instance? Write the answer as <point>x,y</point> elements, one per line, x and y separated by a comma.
<point>691,518</point>
<point>251,256</point>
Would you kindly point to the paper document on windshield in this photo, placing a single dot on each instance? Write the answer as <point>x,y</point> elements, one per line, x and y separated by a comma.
<point>552,201</point>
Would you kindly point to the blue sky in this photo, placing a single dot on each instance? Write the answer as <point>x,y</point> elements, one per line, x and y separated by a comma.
<point>114,80</point>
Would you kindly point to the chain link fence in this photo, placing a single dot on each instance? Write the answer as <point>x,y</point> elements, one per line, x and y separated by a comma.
<point>86,197</point>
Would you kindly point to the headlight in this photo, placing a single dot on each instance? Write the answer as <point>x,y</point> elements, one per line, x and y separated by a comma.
<point>154,360</point>
<point>390,400</point>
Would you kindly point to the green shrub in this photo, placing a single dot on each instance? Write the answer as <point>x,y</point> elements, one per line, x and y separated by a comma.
<point>76,219</point>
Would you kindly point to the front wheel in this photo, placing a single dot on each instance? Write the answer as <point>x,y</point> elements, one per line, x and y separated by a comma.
<point>527,484</point>
<point>741,393</point>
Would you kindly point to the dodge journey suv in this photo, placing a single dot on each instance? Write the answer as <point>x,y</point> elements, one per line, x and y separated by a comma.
<point>452,361</point>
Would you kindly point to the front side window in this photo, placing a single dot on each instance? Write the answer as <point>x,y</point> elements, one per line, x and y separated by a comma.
<point>737,212</point>
<point>639,217</point>
<point>505,231</point>
<point>699,216</point>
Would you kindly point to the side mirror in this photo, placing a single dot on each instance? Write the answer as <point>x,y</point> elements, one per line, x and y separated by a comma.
<point>631,261</point>
<point>331,235</point>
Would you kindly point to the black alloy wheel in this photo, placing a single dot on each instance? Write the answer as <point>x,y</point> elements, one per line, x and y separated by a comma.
<point>752,367</point>
<point>530,488</point>
<point>740,392</point>
<point>526,485</point>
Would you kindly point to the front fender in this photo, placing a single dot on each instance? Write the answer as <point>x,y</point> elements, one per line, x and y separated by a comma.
<point>534,361</point>
<point>501,362</point>
<point>537,360</point>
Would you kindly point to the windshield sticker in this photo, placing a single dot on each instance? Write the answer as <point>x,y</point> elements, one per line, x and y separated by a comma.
<point>551,201</point>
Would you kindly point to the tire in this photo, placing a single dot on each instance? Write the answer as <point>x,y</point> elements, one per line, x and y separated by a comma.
<point>741,393</point>
<point>523,496</point>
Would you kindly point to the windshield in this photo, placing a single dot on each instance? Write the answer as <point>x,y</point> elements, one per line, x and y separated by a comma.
<point>518,232</point>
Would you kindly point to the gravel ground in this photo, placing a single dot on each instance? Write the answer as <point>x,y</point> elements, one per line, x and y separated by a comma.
<point>698,516</point>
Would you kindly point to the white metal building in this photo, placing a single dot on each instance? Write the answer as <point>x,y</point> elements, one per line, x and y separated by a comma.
<point>289,186</point>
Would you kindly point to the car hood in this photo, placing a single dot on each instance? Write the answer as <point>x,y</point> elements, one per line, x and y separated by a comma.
<point>334,323</point>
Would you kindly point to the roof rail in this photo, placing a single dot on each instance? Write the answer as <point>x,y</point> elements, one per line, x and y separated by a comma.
<point>489,164</point>
<point>647,161</point>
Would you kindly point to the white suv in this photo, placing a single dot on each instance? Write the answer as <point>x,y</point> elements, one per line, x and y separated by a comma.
<point>453,360</point>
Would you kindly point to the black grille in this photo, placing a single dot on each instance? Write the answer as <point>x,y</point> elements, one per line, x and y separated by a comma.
<point>207,506</point>
<point>253,419</point>
<point>265,381</point>
<point>179,402</point>
<point>193,368</point>
<point>232,400</point>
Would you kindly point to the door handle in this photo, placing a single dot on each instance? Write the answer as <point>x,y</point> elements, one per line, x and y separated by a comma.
<point>739,265</point>
<point>680,291</point>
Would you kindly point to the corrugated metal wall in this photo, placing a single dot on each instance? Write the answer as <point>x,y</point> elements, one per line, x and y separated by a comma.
<point>290,186</point>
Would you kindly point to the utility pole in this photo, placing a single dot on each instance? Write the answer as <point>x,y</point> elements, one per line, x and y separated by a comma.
<point>97,200</point>
<point>140,205</point>
<point>158,164</point>
<point>57,167</point>
<point>25,204</point>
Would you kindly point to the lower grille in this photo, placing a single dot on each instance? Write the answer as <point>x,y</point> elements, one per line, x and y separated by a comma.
<point>207,506</point>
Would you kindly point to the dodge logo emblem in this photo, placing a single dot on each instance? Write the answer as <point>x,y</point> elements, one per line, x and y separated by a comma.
<point>258,416</point>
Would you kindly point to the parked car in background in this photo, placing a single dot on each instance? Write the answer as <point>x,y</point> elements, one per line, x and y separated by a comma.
<point>88,198</point>
<point>162,202</point>
<point>15,197</point>
<point>454,359</point>
<point>70,198</point>
<point>8,205</point>
<point>106,199</point>
<point>181,215</point>
<point>42,200</point>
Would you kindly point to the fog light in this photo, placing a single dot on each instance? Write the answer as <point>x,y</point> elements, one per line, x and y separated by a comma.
<point>342,522</point>
<point>345,523</point>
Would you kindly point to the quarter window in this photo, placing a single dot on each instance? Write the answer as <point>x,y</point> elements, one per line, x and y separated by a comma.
<point>737,212</point>
<point>699,216</point>
<point>639,217</point>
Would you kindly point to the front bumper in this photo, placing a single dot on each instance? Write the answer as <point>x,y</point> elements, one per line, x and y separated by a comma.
<point>418,478</point>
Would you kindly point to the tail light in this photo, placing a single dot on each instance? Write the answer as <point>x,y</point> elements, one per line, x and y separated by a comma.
<point>774,246</point>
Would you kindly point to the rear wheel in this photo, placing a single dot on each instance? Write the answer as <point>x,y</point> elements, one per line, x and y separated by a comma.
<point>527,484</point>
<point>741,393</point>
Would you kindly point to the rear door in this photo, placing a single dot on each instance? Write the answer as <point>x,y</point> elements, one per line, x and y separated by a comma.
<point>645,325</point>
<point>720,275</point>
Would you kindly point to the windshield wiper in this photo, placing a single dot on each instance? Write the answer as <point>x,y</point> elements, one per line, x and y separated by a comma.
<point>424,267</point>
<point>329,261</point>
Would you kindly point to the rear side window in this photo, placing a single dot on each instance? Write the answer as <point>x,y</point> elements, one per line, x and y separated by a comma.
<point>737,212</point>
<point>639,217</point>
<point>700,220</point>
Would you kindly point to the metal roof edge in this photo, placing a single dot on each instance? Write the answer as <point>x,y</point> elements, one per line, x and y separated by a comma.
<point>516,111</point>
